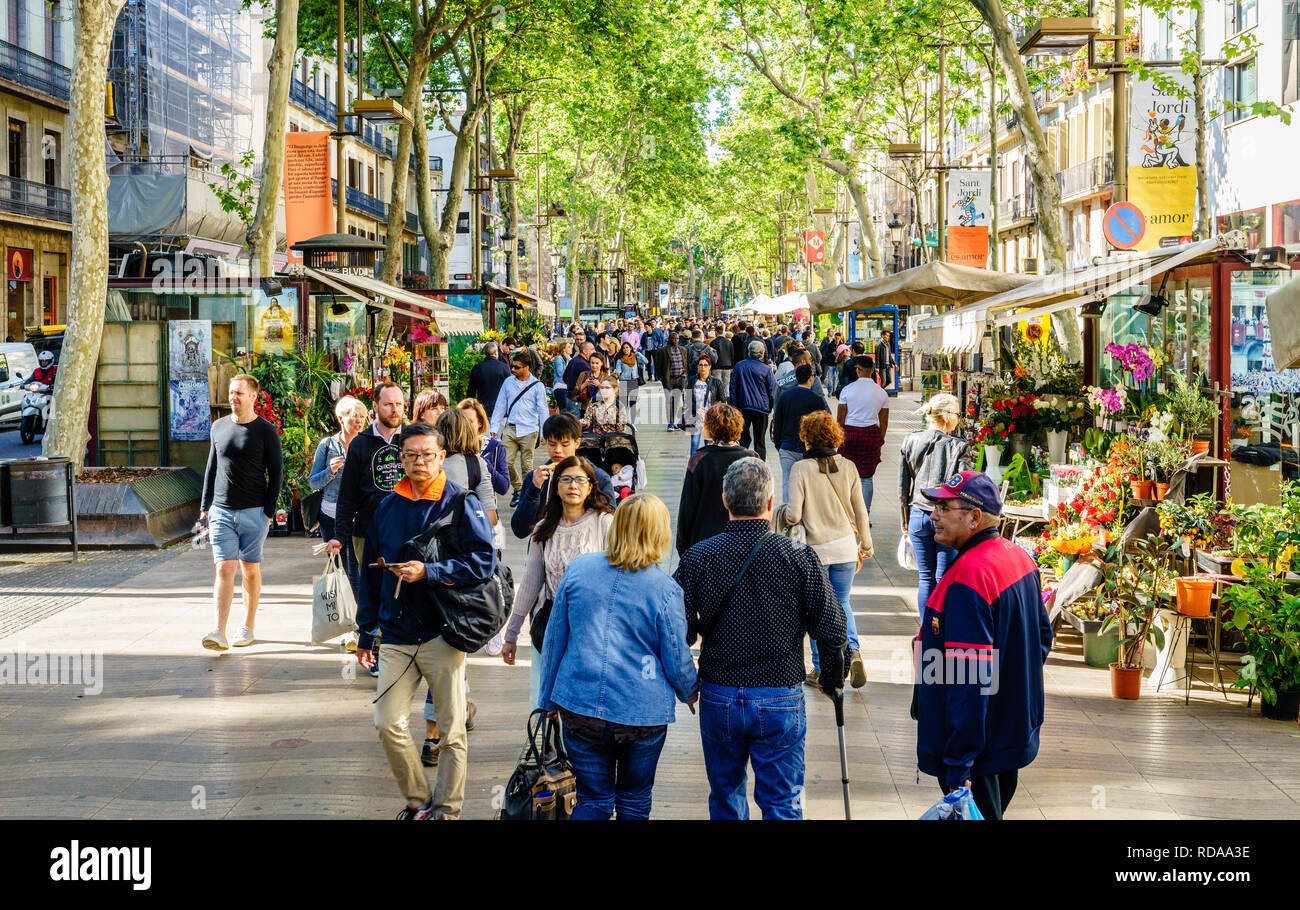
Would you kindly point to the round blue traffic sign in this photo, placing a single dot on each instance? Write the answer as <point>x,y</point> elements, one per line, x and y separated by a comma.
<point>1124,225</point>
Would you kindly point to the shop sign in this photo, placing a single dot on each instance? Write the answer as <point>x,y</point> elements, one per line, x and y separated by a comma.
<point>814,246</point>
<point>967,239</point>
<point>18,264</point>
<point>308,201</point>
<point>1162,158</point>
<point>274,323</point>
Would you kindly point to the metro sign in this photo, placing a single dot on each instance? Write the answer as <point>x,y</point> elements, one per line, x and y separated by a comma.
<point>814,247</point>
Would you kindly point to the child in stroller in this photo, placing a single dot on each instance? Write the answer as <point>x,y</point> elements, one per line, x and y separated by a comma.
<point>618,454</point>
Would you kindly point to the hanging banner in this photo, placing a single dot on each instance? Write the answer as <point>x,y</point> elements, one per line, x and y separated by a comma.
<point>1162,160</point>
<point>189,346</point>
<point>274,322</point>
<point>308,200</point>
<point>969,217</point>
<point>814,246</point>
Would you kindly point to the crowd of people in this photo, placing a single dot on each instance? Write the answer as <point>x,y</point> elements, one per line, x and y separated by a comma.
<point>610,631</point>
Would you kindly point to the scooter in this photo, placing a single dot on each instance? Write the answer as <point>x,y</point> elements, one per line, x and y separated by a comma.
<point>35,412</point>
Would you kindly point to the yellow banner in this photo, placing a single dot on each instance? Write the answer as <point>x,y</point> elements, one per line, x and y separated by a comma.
<point>1167,198</point>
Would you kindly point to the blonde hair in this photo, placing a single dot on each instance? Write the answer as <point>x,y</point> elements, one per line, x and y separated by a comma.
<point>641,533</point>
<point>349,405</point>
<point>939,405</point>
<point>473,404</point>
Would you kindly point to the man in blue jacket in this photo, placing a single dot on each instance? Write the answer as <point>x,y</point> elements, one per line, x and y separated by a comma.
<point>399,598</point>
<point>753,391</point>
<point>984,639</point>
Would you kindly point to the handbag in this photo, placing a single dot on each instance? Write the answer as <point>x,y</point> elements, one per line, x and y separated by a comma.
<point>849,515</point>
<point>543,786</point>
<point>542,615</point>
<point>309,509</point>
<point>333,605</point>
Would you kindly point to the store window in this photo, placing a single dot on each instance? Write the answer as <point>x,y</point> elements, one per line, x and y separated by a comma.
<point>1241,15</point>
<point>1181,331</point>
<point>1263,396</point>
<point>1286,223</point>
<point>1239,89</point>
<point>1250,223</point>
<point>1291,51</point>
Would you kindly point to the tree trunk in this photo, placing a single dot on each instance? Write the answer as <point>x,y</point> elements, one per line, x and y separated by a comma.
<point>515,118</point>
<point>1042,166</point>
<point>442,241</point>
<point>412,103</point>
<point>261,237</point>
<point>863,206</point>
<point>1198,91</point>
<point>425,205</point>
<point>67,434</point>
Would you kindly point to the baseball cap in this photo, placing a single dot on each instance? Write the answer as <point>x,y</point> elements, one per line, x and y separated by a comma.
<point>974,487</point>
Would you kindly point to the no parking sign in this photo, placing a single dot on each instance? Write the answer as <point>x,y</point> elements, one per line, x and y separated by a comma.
<point>1124,225</point>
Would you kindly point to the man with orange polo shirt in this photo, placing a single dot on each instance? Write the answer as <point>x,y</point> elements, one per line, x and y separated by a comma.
<point>399,600</point>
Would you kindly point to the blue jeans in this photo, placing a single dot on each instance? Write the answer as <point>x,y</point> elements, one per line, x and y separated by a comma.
<point>695,440</point>
<point>613,776</point>
<point>763,726</point>
<point>841,576</point>
<point>561,400</point>
<point>789,458</point>
<point>868,487</point>
<point>830,377</point>
<point>932,558</point>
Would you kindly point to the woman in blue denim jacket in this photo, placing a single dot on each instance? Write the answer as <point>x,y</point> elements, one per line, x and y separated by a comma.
<point>616,662</point>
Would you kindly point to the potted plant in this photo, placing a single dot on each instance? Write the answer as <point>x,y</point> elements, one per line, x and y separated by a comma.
<point>1193,412</point>
<point>1266,613</point>
<point>1133,588</point>
<point>1166,458</point>
<point>1132,459</point>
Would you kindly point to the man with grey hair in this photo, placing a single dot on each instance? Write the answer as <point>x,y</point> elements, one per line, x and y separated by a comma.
<point>753,623</point>
<point>753,391</point>
<point>487,377</point>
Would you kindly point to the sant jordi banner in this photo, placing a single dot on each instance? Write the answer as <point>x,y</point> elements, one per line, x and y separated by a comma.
<point>968,225</point>
<point>308,202</point>
<point>1162,160</point>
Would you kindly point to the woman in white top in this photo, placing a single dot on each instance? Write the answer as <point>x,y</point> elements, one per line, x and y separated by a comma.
<point>576,520</point>
<point>864,414</point>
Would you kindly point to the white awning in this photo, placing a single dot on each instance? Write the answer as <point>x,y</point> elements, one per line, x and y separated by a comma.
<point>447,319</point>
<point>545,308</point>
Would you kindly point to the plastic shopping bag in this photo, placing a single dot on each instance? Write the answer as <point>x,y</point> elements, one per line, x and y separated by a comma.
<point>906,555</point>
<point>333,608</point>
<point>957,806</point>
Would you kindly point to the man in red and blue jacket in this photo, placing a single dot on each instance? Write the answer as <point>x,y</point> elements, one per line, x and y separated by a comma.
<point>984,639</point>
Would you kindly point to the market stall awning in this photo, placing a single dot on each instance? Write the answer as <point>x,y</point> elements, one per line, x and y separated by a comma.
<point>450,320</point>
<point>545,308</point>
<point>931,284</point>
<point>775,306</point>
<point>959,331</point>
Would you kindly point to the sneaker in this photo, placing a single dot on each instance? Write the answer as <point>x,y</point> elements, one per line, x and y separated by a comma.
<point>215,641</point>
<point>857,669</point>
<point>243,638</point>
<point>418,814</point>
<point>671,427</point>
<point>494,645</point>
<point>429,755</point>
<point>469,714</point>
<point>812,678</point>
<point>350,642</point>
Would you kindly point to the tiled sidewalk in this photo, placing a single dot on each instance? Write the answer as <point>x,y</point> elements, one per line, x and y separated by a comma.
<point>283,729</point>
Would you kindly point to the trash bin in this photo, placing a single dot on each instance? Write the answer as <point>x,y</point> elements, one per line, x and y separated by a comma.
<point>36,493</point>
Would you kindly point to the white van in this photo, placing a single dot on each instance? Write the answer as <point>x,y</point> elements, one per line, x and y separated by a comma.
<point>17,363</point>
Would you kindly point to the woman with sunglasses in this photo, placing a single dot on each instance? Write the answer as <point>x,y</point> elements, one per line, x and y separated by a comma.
<point>576,520</point>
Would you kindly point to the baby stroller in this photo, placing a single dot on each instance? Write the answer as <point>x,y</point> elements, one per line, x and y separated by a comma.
<point>618,455</point>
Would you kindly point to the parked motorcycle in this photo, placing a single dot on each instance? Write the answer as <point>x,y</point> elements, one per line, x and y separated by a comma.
<point>35,411</point>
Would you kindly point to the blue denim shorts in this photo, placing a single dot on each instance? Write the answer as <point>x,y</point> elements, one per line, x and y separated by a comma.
<point>237,533</point>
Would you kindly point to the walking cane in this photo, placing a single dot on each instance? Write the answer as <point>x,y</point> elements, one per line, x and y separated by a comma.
<point>844,762</point>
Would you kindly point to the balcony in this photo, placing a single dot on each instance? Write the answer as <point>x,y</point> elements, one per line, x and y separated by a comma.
<point>313,101</point>
<point>35,200</point>
<point>362,202</point>
<point>1087,178</point>
<point>412,222</point>
<point>1018,207</point>
<point>435,162</point>
<point>34,71</point>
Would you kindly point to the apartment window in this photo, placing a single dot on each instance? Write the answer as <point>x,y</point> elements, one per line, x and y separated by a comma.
<point>53,32</point>
<point>18,23</point>
<point>1291,51</point>
<point>328,93</point>
<point>293,127</point>
<point>1241,15</point>
<point>51,157</point>
<point>1239,88</point>
<point>17,149</point>
<point>315,81</point>
<point>370,180</point>
<point>354,174</point>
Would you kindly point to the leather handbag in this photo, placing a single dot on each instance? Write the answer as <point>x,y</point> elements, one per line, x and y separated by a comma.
<point>543,786</point>
<point>309,508</point>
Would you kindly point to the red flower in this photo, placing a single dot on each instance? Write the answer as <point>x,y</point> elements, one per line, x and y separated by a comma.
<point>1002,433</point>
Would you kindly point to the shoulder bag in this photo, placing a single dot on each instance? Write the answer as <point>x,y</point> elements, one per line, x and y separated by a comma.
<point>542,615</point>
<point>543,786</point>
<point>515,400</point>
<point>848,513</point>
<point>906,555</point>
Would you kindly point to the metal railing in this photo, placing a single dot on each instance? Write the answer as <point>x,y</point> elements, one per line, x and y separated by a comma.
<point>1021,205</point>
<point>362,202</point>
<point>1087,177</point>
<point>34,71</point>
<point>435,162</point>
<point>36,200</point>
<point>312,100</point>
<point>412,221</point>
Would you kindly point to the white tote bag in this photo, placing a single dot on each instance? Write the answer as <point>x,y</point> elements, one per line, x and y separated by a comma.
<point>333,607</point>
<point>906,556</point>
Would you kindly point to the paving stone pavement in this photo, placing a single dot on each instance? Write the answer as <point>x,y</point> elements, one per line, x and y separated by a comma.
<point>283,728</point>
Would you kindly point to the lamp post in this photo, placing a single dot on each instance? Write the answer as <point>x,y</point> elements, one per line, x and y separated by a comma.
<point>896,235</point>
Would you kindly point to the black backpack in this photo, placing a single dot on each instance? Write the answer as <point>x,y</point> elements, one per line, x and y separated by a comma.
<point>471,614</point>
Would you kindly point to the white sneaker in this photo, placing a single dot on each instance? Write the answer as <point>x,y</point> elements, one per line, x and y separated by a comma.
<point>215,641</point>
<point>243,638</point>
<point>350,642</point>
<point>494,645</point>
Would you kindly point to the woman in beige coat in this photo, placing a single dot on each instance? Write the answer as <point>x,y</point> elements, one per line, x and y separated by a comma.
<point>826,500</point>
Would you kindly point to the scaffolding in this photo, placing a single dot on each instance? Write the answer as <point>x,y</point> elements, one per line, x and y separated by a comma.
<point>182,79</point>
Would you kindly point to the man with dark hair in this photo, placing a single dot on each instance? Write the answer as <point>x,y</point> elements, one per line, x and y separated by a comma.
<point>578,364</point>
<point>487,376</point>
<point>241,488</point>
<point>562,434</point>
<point>849,371</point>
<point>517,418</point>
<point>752,596</point>
<point>411,621</point>
<point>724,356</point>
<point>792,406</point>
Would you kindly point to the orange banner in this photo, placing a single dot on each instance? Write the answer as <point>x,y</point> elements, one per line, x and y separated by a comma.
<point>308,202</point>
<point>968,246</point>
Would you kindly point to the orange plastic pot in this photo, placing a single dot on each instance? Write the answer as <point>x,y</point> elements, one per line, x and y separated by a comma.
<point>1141,489</point>
<point>1125,682</point>
<point>1160,490</point>
<point>1193,595</point>
<point>1200,446</point>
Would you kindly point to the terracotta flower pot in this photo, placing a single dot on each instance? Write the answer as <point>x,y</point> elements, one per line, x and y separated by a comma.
<point>1160,490</point>
<point>1200,446</point>
<point>1193,595</point>
<point>1141,489</point>
<point>1125,682</point>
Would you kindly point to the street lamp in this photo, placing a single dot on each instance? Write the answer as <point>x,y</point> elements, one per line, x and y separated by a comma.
<point>896,235</point>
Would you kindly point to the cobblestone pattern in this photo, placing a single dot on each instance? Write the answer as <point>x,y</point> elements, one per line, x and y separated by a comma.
<point>35,586</point>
